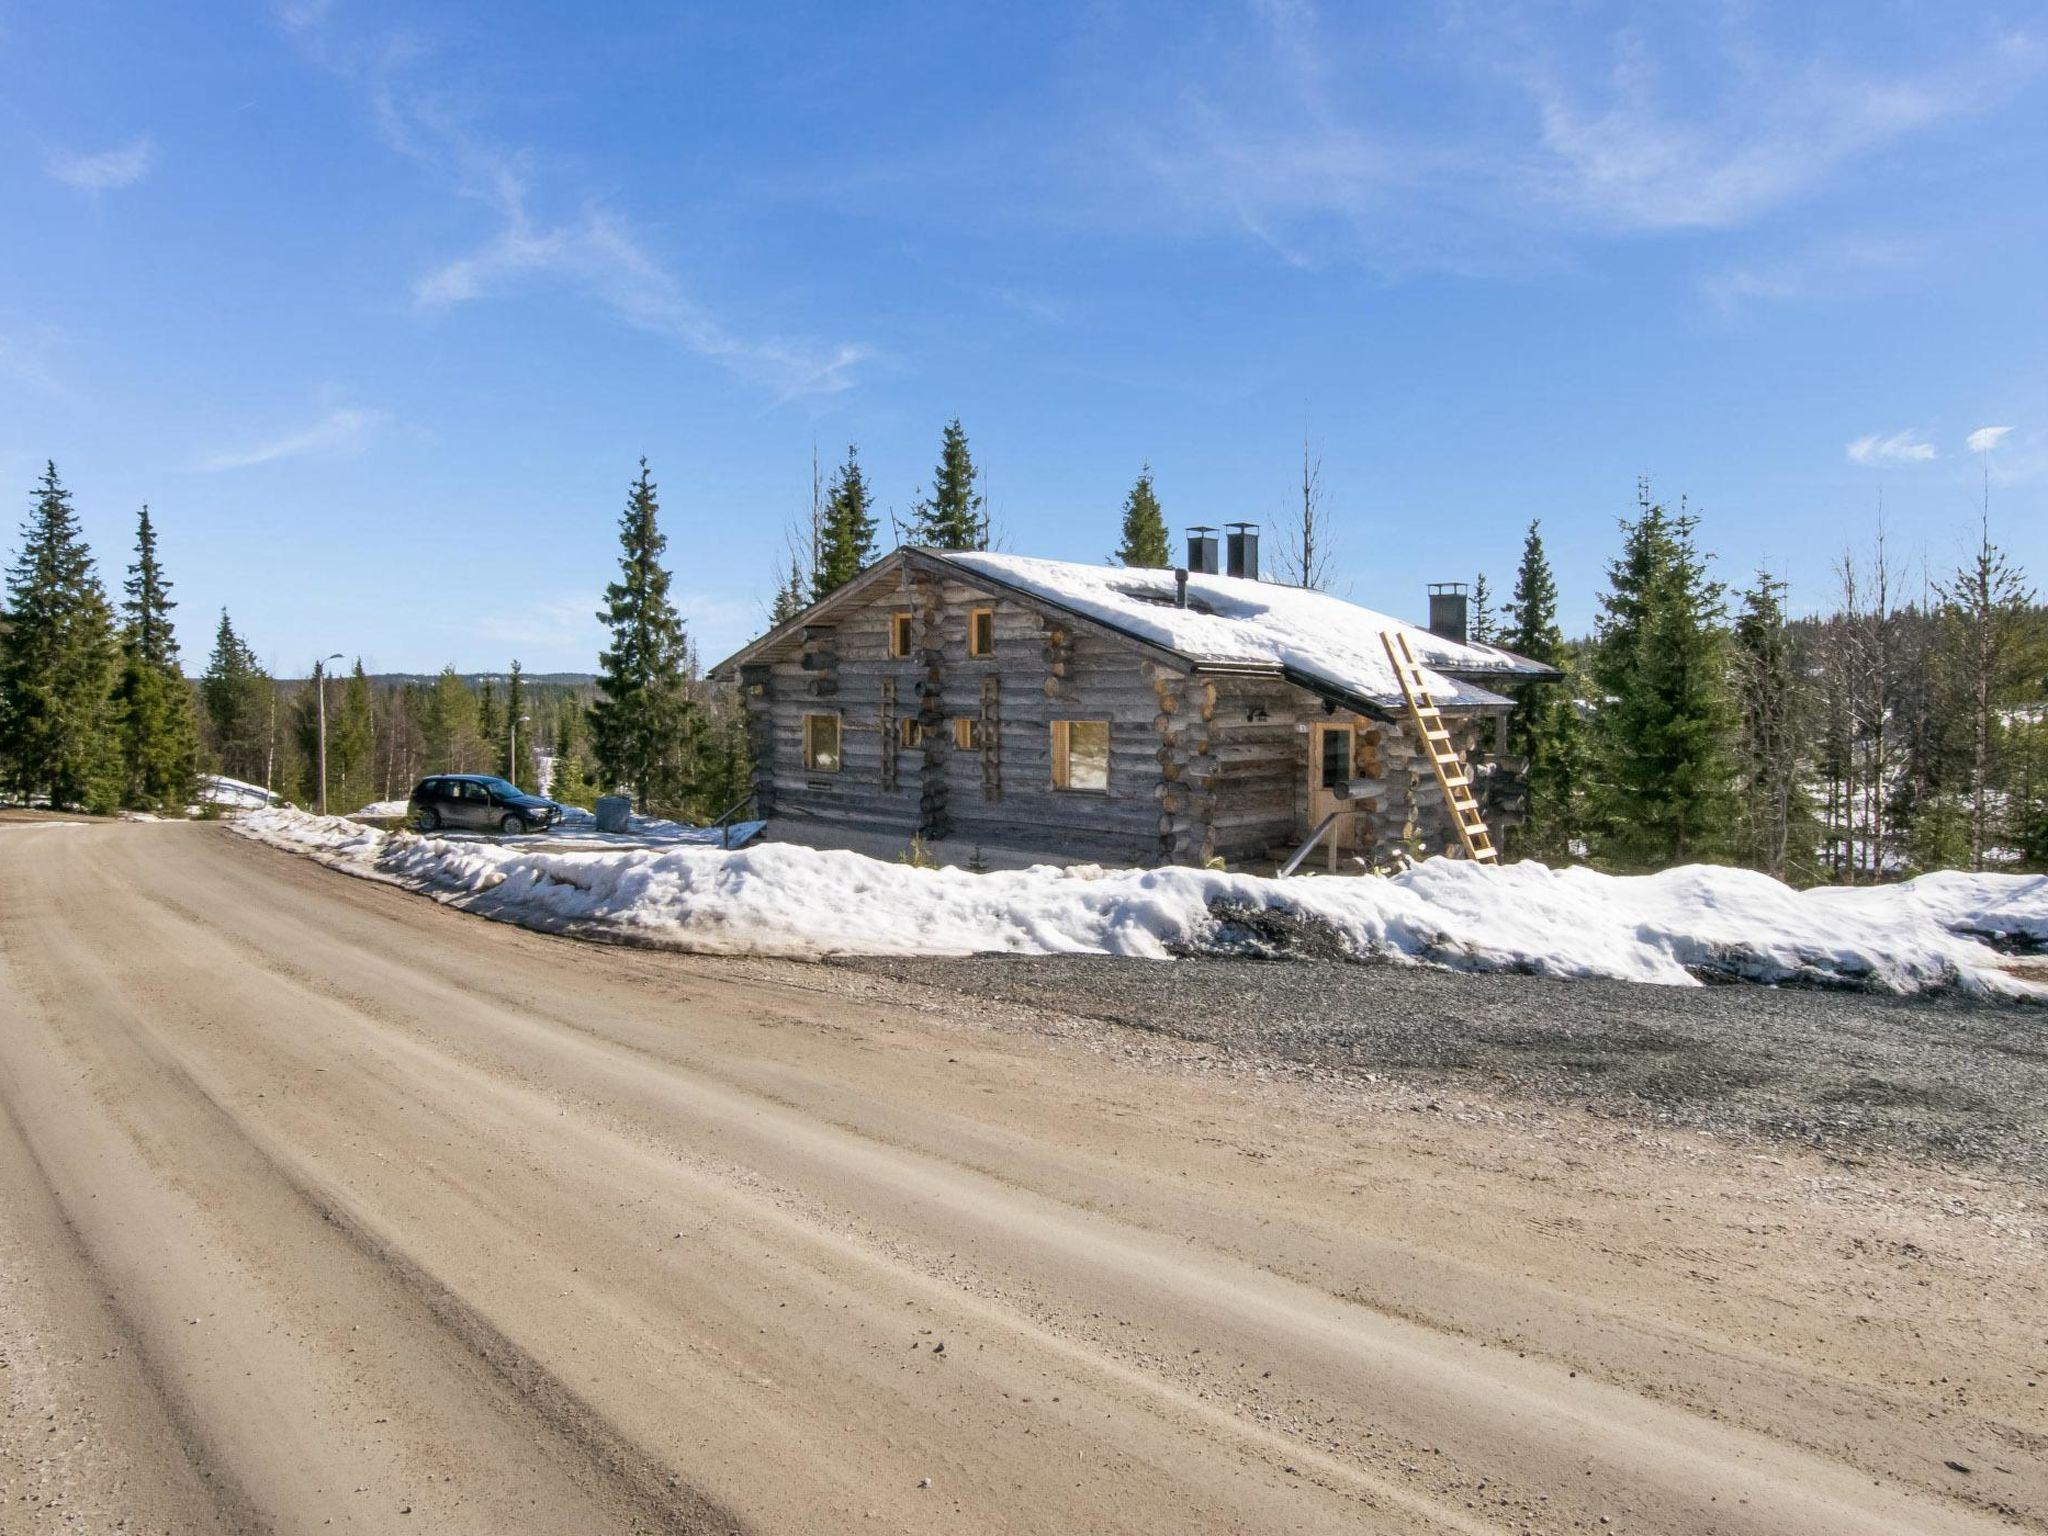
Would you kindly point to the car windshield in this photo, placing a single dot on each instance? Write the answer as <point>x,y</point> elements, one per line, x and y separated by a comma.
<point>501,787</point>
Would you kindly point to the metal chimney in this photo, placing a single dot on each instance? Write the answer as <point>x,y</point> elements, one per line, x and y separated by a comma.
<point>1241,549</point>
<point>1202,551</point>
<point>1449,611</point>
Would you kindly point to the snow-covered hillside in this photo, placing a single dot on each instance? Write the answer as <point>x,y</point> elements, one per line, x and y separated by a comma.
<point>1676,928</point>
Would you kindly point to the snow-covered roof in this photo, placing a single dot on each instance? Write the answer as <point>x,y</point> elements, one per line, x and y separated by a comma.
<point>1231,622</point>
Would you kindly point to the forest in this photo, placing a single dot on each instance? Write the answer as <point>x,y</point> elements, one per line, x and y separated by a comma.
<point>1900,728</point>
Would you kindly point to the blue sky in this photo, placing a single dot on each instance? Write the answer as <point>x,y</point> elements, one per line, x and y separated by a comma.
<point>378,305</point>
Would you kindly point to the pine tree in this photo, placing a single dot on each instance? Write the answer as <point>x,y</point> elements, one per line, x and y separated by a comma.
<point>159,736</point>
<point>1544,730</point>
<point>490,725</point>
<point>847,541</point>
<point>1144,543</point>
<point>59,660</point>
<point>1777,830</point>
<point>1661,775</point>
<point>644,722</point>
<point>951,517</point>
<point>239,701</point>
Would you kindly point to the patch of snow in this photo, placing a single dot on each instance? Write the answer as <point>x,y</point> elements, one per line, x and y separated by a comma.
<point>1231,621</point>
<point>1675,928</point>
<point>385,810</point>
<point>219,789</point>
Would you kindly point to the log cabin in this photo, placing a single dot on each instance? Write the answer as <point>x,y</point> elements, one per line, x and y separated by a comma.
<point>1007,710</point>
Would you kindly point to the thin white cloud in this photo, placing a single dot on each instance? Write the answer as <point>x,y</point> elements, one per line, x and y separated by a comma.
<point>345,429</point>
<point>1846,267</point>
<point>108,171</point>
<point>25,366</point>
<point>597,254</point>
<point>1984,439</point>
<point>593,251</point>
<point>1907,447</point>
<point>1295,141</point>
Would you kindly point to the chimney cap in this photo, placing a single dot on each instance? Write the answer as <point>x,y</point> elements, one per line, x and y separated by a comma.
<point>1240,525</point>
<point>1445,586</point>
<point>1200,528</point>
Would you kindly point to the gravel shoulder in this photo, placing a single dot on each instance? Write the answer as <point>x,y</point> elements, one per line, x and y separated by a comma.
<point>1949,1081</point>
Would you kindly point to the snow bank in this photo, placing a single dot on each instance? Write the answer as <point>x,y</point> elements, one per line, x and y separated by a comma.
<point>385,810</point>
<point>1676,928</point>
<point>219,789</point>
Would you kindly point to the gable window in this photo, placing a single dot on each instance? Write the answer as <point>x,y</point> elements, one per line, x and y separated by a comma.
<point>821,743</point>
<point>909,731</point>
<point>1080,755</point>
<point>981,632</point>
<point>899,633</point>
<point>967,733</point>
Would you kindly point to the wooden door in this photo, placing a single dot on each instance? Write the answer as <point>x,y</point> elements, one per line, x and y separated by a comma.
<point>1333,750</point>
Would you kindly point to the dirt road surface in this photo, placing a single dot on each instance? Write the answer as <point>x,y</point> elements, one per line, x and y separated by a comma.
<point>323,1208</point>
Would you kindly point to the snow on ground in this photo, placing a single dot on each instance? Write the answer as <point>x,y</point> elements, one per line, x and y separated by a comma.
<point>1257,623</point>
<point>219,789</point>
<point>384,810</point>
<point>1676,928</point>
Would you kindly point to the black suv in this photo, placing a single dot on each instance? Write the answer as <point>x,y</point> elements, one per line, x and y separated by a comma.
<point>476,800</point>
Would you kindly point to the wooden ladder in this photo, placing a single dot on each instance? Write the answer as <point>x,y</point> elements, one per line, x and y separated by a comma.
<point>1452,776</point>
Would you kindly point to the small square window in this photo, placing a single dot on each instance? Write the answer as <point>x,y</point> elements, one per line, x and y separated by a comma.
<point>1080,755</point>
<point>899,633</point>
<point>909,731</point>
<point>981,632</point>
<point>821,743</point>
<point>967,733</point>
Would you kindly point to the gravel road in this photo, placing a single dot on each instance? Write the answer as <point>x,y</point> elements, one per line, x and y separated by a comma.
<point>1948,1080</point>
<point>327,1209</point>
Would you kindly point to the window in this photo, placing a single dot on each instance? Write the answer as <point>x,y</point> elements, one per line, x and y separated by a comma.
<point>1336,756</point>
<point>981,632</point>
<point>1080,755</point>
<point>821,743</point>
<point>909,731</point>
<point>967,733</point>
<point>899,633</point>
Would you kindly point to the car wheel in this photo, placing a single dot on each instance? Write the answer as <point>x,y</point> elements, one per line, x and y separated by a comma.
<point>512,826</point>
<point>428,820</point>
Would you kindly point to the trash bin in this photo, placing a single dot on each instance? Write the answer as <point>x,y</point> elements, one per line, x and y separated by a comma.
<point>614,812</point>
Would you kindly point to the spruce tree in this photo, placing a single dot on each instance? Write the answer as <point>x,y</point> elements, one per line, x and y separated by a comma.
<point>1544,730</point>
<point>159,736</point>
<point>1661,787</point>
<point>238,697</point>
<point>1144,542</point>
<point>59,660</point>
<point>490,725</point>
<point>643,723</point>
<point>1993,648</point>
<point>1777,830</point>
<point>518,735</point>
<point>792,597</point>
<point>451,740</point>
<point>1484,628</point>
<point>951,517</point>
<point>847,542</point>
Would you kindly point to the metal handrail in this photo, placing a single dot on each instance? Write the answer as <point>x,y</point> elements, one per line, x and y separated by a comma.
<point>723,821</point>
<point>1308,847</point>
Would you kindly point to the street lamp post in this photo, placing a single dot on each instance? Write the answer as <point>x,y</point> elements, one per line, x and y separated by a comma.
<point>512,746</point>
<point>320,687</point>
